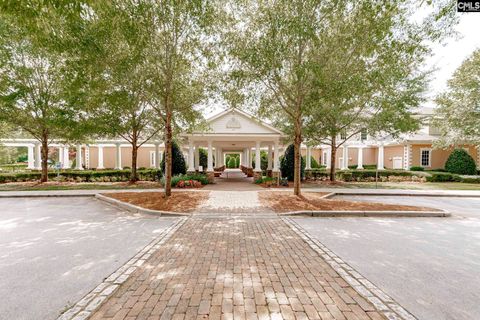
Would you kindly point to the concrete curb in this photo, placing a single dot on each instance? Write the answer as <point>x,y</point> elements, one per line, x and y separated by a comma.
<point>439,195</point>
<point>36,195</point>
<point>84,308</point>
<point>379,299</point>
<point>334,213</point>
<point>136,209</point>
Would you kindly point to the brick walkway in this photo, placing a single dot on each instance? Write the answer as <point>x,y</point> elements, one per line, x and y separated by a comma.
<point>236,269</point>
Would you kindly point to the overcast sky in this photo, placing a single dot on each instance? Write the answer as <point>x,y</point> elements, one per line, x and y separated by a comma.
<point>446,57</point>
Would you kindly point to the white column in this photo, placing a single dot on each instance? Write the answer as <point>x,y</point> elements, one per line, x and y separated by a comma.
<point>329,158</point>
<point>380,165</point>
<point>360,158</point>
<point>78,165</point>
<point>308,165</point>
<point>269,157</point>
<point>210,157</point>
<point>31,159</point>
<point>157,155</point>
<point>100,157</point>
<point>38,156</point>
<point>258,159</point>
<point>251,158</point>
<point>276,152</point>
<point>191,163</point>
<point>60,154</point>
<point>66,158</point>
<point>220,157</point>
<point>118,157</point>
<point>197,157</point>
<point>345,158</point>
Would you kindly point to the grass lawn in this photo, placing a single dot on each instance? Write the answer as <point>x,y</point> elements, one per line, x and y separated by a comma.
<point>397,185</point>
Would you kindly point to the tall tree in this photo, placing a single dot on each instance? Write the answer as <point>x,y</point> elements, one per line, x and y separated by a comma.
<point>35,83</point>
<point>270,46</point>
<point>179,56</point>
<point>458,112</point>
<point>290,48</point>
<point>377,85</point>
<point>118,74</point>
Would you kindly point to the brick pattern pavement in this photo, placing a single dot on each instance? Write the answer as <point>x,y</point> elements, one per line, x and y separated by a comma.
<point>236,269</point>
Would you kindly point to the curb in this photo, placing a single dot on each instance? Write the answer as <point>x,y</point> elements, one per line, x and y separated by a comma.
<point>439,195</point>
<point>379,299</point>
<point>83,195</point>
<point>333,213</point>
<point>136,209</point>
<point>86,306</point>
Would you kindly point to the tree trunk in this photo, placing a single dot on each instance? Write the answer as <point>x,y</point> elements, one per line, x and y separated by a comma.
<point>168,154</point>
<point>133,174</point>
<point>44,152</point>
<point>333,156</point>
<point>297,161</point>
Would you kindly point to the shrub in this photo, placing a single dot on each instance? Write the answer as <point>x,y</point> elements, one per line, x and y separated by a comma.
<point>227,159</point>
<point>417,168</point>
<point>288,162</point>
<point>313,163</point>
<point>232,163</point>
<point>237,162</point>
<point>444,177</point>
<point>188,177</point>
<point>471,180</point>
<point>203,158</point>
<point>84,176</point>
<point>460,162</point>
<point>178,161</point>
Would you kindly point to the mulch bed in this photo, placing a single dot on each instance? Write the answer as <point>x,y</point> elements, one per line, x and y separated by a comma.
<point>311,201</point>
<point>177,202</point>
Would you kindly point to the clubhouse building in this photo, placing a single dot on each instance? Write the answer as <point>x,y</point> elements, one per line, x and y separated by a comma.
<point>236,132</point>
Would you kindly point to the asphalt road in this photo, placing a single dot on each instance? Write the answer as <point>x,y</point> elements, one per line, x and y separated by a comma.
<point>55,250</point>
<point>431,266</point>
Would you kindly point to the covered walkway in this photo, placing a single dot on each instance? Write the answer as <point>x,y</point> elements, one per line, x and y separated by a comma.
<point>233,180</point>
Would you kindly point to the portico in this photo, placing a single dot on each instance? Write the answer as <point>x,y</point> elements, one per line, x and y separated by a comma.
<point>234,131</point>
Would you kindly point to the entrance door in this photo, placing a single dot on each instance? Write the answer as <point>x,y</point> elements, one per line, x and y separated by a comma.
<point>397,163</point>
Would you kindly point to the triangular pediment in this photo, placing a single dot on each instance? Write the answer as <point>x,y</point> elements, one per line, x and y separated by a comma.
<point>234,121</point>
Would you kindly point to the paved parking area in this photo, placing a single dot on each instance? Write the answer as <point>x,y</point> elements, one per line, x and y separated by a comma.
<point>431,266</point>
<point>55,250</point>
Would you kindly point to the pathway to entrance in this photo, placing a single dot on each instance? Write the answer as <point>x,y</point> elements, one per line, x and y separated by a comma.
<point>233,180</point>
<point>246,268</point>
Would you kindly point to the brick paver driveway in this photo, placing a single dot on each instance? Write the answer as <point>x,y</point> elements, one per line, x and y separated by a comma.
<point>232,268</point>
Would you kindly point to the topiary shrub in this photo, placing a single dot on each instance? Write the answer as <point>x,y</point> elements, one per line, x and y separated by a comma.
<point>203,158</point>
<point>460,162</point>
<point>288,162</point>
<point>178,161</point>
<point>237,162</point>
<point>232,163</point>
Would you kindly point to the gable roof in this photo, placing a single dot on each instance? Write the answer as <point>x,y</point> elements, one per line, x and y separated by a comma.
<point>239,122</point>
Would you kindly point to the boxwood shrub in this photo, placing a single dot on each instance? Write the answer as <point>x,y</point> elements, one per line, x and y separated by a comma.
<point>417,168</point>
<point>83,176</point>
<point>444,177</point>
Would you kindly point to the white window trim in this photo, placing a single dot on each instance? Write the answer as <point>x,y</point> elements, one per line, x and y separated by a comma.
<point>429,157</point>
<point>152,159</point>
<point>324,158</point>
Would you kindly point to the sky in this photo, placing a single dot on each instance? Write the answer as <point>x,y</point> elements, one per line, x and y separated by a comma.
<point>446,58</point>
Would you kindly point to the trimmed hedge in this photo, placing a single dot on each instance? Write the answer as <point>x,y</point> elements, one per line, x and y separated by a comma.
<point>417,168</point>
<point>460,162</point>
<point>444,177</point>
<point>83,176</point>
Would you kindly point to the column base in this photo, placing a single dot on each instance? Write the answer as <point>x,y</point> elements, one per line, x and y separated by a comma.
<point>211,176</point>
<point>276,175</point>
<point>257,175</point>
<point>191,171</point>
<point>380,169</point>
<point>360,168</point>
